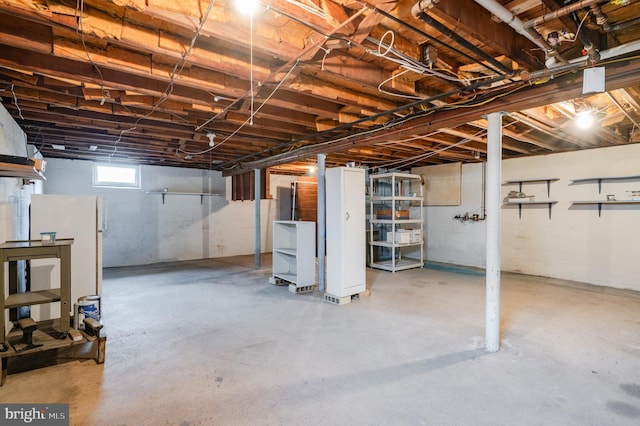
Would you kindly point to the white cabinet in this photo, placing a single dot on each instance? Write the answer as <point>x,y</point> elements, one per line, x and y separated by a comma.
<point>395,227</point>
<point>294,252</point>
<point>346,238</point>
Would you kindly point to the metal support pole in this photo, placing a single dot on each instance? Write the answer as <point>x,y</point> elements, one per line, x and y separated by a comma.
<point>322,229</point>
<point>257,197</point>
<point>494,172</point>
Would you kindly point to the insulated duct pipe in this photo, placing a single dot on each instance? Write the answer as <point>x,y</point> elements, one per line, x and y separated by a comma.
<point>516,23</point>
<point>422,33</point>
<point>418,12</point>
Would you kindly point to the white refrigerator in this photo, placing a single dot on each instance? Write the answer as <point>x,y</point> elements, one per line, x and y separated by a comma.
<point>69,216</point>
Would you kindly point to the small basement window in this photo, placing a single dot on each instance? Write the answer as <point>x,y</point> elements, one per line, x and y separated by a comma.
<point>116,175</point>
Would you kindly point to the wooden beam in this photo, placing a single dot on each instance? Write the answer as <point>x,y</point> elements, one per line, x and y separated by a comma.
<point>568,86</point>
<point>474,19</point>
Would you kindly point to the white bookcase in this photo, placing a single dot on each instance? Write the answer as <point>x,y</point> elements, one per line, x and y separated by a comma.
<point>395,226</point>
<point>346,237</point>
<point>294,252</point>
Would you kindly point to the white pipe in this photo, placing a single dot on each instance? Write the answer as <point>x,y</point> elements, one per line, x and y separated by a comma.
<point>514,22</point>
<point>494,172</point>
<point>256,198</point>
<point>576,63</point>
<point>322,229</point>
<point>614,51</point>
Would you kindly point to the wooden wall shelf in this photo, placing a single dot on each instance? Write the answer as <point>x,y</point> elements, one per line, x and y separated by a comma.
<point>20,171</point>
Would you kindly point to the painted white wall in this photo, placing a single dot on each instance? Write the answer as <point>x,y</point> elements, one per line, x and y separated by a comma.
<point>575,244</point>
<point>143,230</point>
<point>454,241</point>
<point>14,196</point>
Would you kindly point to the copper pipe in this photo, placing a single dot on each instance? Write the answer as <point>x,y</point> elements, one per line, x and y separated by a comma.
<point>560,12</point>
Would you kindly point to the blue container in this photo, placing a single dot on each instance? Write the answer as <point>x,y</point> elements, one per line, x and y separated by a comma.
<point>87,307</point>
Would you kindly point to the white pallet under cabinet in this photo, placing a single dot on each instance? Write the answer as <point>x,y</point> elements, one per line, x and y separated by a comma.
<point>395,227</point>
<point>294,252</point>
<point>346,237</point>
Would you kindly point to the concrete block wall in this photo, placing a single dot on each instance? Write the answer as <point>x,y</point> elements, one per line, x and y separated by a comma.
<point>143,230</point>
<point>575,244</point>
<point>14,196</point>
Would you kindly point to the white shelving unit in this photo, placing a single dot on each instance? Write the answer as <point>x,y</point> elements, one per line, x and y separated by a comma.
<point>395,227</point>
<point>294,254</point>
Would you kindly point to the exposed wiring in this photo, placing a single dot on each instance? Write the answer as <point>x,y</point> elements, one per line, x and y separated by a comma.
<point>80,28</point>
<point>169,90</point>
<point>15,101</point>
<point>412,160</point>
<point>273,92</point>
<point>579,26</point>
<point>393,39</point>
<point>415,66</point>
<point>326,53</point>
<point>314,10</point>
<point>251,68</point>
<point>291,146</point>
<point>561,39</point>
<point>418,104</point>
<point>393,77</point>
<point>409,64</point>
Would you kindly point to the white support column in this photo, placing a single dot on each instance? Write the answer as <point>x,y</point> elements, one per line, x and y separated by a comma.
<point>494,176</point>
<point>322,229</point>
<point>256,199</point>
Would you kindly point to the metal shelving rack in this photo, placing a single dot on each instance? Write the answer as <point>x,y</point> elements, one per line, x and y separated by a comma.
<point>395,226</point>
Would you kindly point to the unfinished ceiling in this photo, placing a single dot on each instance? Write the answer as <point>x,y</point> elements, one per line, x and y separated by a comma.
<point>387,84</point>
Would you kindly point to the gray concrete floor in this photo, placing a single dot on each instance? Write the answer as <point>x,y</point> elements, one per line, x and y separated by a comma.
<point>212,343</point>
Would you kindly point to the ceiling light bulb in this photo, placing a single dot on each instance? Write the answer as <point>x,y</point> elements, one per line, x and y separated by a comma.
<point>584,120</point>
<point>247,7</point>
<point>211,137</point>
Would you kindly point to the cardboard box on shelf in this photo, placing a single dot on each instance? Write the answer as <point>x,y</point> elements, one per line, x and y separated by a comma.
<point>386,214</point>
<point>403,236</point>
